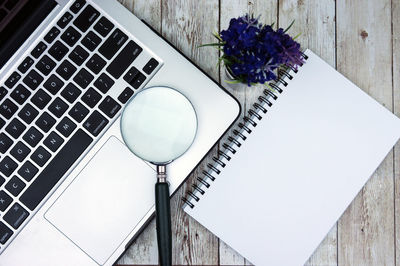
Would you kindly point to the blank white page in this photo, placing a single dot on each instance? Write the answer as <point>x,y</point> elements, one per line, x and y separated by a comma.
<point>299,169</point>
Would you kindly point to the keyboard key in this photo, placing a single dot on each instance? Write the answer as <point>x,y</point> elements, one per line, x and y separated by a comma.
<point>45,122</point>
<point>58,107</point>
<point>124,59</point>
<point>15,128</point>
<point>55,170</point>
<point>33,79</point>
<point>53,141</point>
<point>66,69</point>
<point>7,166</point>
<point>64,20</point>
<point>5,233</point>
<point>91,97</point>
<point>95,63</point>
<point>58,50</point>
<point>5,201</point>
<point>20,151</point>
<point>110,107</point>
<point>66,127</point>
<point>16,215</point>
<point>25,65</point>
<point>3,93</point>
<point>28,171</point>
<point>150,66</point>
<point>70,36</point>
<point>32,137</point>
<point>53,84</point>
<point>138,80</point>
<point>12,80</point>
<point>2,123</point>
<point>78,112</point>
<point>103,83</point>
<point>5,142</point>
<point>125,95</point>
<point>114,42</point>
<point>91,41</point>
<point>95,123</point>
<point>15,186</point>
<point>71,93</point>
<point>77,5</point>
<point>40,156</point>
<point>131,74</point>
<point>86,18</point>
<point>28,113</point>
<point>103,26</point>
<point>78,55</point>
<point>83,78</point>
<point>2,180</point>
<point>39,49</point>
<point>8,109</point>
<point>40,99</point>
<point>20,94</point>
<point>51,35</point>
<point>45,65</point>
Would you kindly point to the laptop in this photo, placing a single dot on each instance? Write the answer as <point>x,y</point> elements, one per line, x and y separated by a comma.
<point>71,193</point>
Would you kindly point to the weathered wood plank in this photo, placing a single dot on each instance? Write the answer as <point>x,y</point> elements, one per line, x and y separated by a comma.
<point>246,95</point>
<point>188,24</point>
<point>396,109</point>
<point>149,10</point>
<point>144,248</point>
<point>315,20</point>
<point>364,55</point>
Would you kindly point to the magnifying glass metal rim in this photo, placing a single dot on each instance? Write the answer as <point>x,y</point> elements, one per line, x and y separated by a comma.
<point>162,200</point>
<point>124,137</point>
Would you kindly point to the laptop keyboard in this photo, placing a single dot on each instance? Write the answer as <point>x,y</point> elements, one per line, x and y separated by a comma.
<point>57,102</point>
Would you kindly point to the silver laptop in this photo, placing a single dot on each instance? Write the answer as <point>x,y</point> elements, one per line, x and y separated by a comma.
<point>70,191</point>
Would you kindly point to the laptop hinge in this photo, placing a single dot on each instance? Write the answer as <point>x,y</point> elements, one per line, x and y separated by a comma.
<point>32,20</point>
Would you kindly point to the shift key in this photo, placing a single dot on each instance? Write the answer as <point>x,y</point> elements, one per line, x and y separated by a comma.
<point>111,46</point>
<point>124,59</point>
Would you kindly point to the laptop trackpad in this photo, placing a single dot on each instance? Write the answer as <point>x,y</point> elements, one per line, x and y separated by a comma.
<point>105,202</point>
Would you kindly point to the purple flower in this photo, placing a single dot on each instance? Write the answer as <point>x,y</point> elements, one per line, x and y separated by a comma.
<point>253,52</point>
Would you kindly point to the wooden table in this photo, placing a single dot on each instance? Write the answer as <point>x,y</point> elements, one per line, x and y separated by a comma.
<point>361,38</point>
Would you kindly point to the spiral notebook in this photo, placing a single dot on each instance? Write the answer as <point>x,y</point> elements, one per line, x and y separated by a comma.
<point>293,165</point>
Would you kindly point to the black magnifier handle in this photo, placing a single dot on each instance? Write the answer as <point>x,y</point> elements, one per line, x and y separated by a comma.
<point>163,219</point>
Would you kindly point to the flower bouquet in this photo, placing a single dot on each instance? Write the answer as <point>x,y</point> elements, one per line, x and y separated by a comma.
<point>253,52</point>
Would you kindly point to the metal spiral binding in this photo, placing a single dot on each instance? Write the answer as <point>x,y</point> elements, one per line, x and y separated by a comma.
<point>240,133</point>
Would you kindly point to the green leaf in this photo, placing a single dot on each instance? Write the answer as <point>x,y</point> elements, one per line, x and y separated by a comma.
<point>291,24</point>
<point>295,37</point>
<point>269,87</point>
<point>216,35</point>
<point>233,81</point>
<point>210,44</point>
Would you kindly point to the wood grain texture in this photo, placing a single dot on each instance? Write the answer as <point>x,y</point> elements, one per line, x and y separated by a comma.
<point>187,24</point>
<point>367,52</point>
<point>364,55</point>
<point>396,110</point>
<point>149,10</point>
<point>315,20</point>
<point>246,95</point>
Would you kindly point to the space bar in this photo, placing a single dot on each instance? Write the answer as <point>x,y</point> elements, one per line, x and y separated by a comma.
<point>57,167</point>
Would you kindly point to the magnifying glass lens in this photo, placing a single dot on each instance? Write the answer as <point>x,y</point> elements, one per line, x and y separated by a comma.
<point>159,124</point>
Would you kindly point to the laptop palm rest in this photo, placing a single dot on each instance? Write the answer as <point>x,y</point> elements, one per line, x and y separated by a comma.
<point>105,202</point>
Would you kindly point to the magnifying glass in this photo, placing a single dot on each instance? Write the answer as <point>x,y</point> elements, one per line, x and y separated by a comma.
<point>159,125</point>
